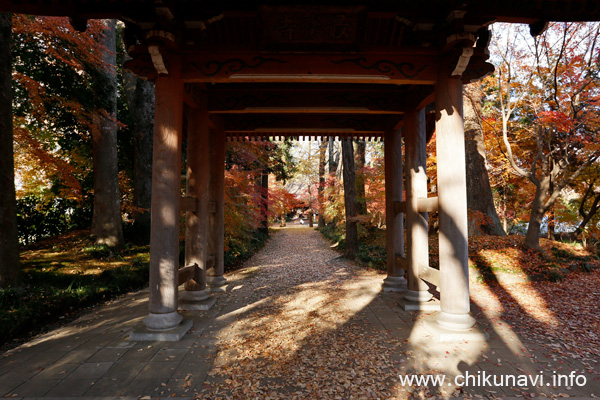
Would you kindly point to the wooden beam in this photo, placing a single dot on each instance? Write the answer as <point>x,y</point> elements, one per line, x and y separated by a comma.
<point>427,204</point>
<point>452,198</point>
<point>376,68</point>
<point>166,191</point>
<point>430,275</point>
<point>216,220</point>
<point>189,272</point>
<point>394,232</point>
<point>282,122</point>
<point>416,222</point>
<point>253,98</point>
<point>402,262</point>
<point>197,177</point>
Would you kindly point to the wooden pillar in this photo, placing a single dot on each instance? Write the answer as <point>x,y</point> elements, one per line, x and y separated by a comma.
<point>395,281</point>
<point>415,143</point>
<point>216,235</point>
<point>196,227</point>
<point>166,182</point>
<point>452,194</point>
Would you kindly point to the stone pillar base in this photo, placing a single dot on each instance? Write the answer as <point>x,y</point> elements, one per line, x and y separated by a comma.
<point>193,295</point>
<point>444,335</point>
<point>214,283</point>
<point>203,305</point>
<point>394,284</point>
<point>419,300</point>
<point>162,322</point>
<point>418,296</point>
<point>455,322</point>
<point>142,334</point>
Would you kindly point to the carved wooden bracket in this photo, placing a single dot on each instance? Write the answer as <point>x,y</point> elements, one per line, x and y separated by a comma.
<point>157,59</point>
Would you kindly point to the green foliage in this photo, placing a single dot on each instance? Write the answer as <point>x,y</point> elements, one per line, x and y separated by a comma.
<point>38,218</point>
<point>47,295</point>
<point>98,251</point>
<point>241,250</point>
<point>370,253</point>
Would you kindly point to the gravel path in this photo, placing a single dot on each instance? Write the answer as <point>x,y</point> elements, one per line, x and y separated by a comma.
<point>298,327</point>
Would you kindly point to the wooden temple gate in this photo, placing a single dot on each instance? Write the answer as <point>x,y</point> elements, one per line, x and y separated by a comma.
<point>361,69</point>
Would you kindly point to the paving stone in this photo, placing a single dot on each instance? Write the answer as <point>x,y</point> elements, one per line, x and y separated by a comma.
<point>158,370</point>
<point>56,371</point>
<point>76,356</point>
<point>8,383</point>
<point>90,370</point>
<point>169,355</point>
<point>142,352</point>
<point>103,386</point>
<point>71,387</point>
<point>124,370</point>
<point>107,355</point>
<point>140,387</point>
<point>191,369</point>
<point>35,387</point>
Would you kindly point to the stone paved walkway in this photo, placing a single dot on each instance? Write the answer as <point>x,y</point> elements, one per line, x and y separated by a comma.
<point>296,322</point>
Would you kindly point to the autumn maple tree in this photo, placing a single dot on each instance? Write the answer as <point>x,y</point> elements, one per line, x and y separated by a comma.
<point>543,104</point>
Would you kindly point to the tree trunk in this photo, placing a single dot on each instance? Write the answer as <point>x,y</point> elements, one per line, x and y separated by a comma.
<point>106,220</point>
<point>9,242</point>
<point>532,239</point>
<point>264,206</point>
<point>551,224</point>
<point>140,101</point>
<point>360,161</point>
<point>321,188</point>
<point>334,158</point>
<point>587,217</point>
<point>479,195</point>
<point>350,198</point>
<point>283,222</point>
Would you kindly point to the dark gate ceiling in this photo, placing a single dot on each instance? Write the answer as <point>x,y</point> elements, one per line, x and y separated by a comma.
<point>334,66</point>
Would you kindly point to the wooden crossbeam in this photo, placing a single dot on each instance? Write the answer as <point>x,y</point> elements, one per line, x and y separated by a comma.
<point>424,204</point>
<point>254,66</point>
<point>427,204</point>
<point>430,275</point>
<point>302,125</point>
<point>252,98</point>
<point>189,272</point>
<point>402,262</point>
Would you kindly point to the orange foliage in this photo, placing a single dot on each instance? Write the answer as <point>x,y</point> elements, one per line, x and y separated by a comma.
<point>37,128</point>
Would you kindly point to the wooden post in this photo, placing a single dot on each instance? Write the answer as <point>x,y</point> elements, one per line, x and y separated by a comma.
<point>166,182</point>
<point>416,186</point>
<point>395,281</point>
<point>197,187</point>
<point>452,195</point>
<point>216,234</point>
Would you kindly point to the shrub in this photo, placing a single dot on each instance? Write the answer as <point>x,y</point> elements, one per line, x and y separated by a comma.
<point>38,218</point>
